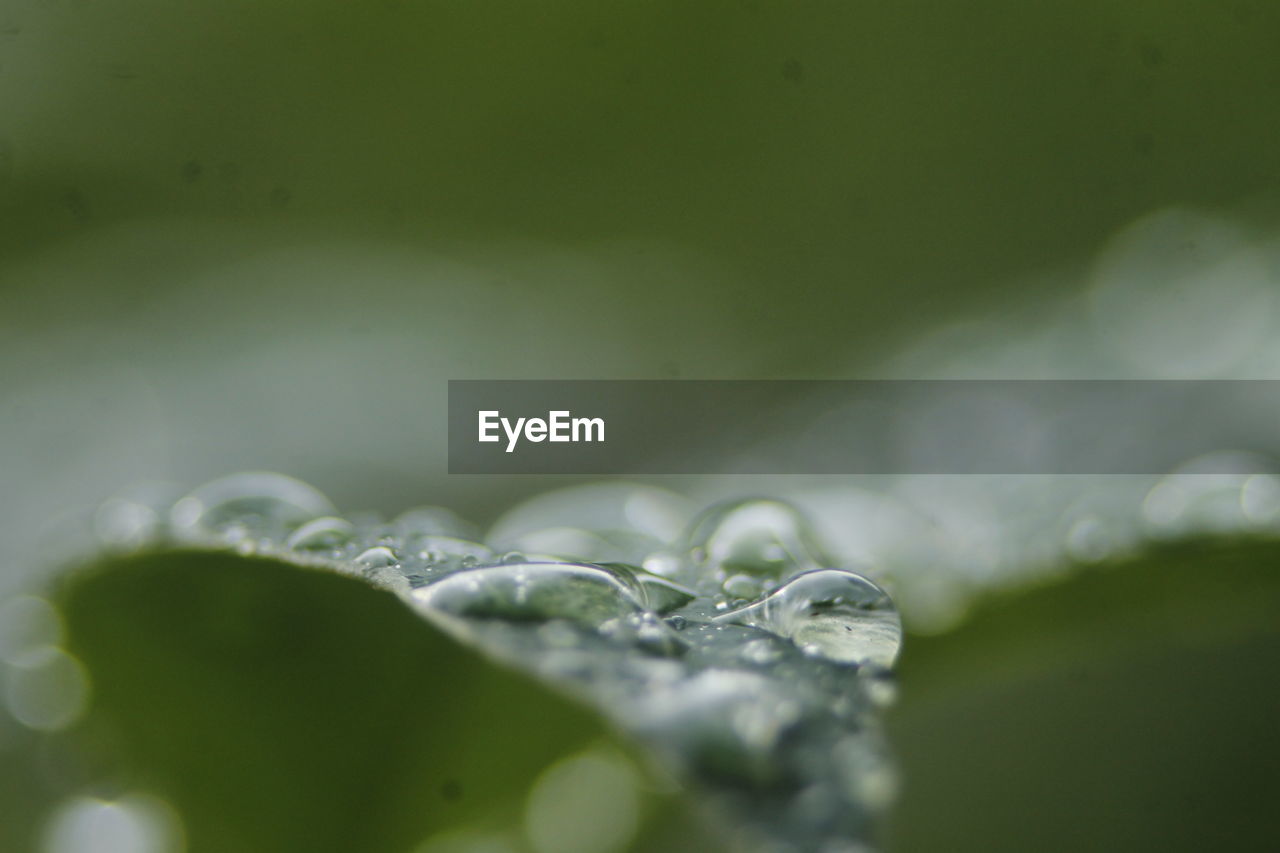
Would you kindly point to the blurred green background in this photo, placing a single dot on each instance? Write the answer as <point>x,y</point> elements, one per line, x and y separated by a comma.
<point>244,235</point>
<point>262,235</point>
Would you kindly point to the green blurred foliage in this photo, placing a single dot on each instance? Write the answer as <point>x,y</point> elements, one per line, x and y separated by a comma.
<point>245,197</point>
<point>283,709</point>
<point>1127,708</point>
<point>843,159</point>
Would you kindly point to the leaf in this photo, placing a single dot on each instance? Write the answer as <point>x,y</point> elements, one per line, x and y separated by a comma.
<point>281,708</point>
<point>1124,708</point>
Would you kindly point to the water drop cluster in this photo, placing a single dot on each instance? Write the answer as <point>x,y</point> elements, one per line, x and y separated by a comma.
<point>724,640</point>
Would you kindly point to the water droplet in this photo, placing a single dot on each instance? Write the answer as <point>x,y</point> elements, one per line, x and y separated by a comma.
<point>324,535</point>
<point>656,593</point>
<point>831,613</point>
<point>523,592</point>
<point>247,505</point>
<point>677,622</point>
<point>512,558</point>
<point>381,566</point>
<point>755,537</point>
<point>377,557</point>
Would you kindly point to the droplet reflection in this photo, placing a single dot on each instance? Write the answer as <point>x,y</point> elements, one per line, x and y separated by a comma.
<point>836,614</point>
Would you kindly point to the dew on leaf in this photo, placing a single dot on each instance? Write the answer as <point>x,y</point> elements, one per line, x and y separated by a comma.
<point>524,592</point>
<point>325,535</point>
<point>656,593</point>
<point>832,613</point>
<point>377,557</point>
<point>687,643</point>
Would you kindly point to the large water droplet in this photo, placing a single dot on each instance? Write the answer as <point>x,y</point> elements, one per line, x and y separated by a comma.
<point>247,505</point>
<point>381,566</point>
<point>831,613</point>
<point>377,557</point>
<point>525,592</point>
<point>755,537</point>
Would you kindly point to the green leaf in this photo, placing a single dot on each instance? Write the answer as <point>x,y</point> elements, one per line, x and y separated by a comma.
<point>280,708</point>
<point>1124,708</point>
